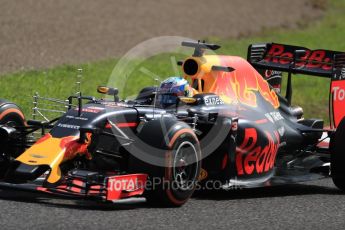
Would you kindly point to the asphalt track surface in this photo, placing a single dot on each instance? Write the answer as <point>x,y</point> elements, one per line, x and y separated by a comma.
<point>313,205</point>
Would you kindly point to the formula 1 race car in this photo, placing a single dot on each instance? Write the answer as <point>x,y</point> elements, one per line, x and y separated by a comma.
<point>225,120</point>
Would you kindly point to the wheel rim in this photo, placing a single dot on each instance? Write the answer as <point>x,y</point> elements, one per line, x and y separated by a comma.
<point>185,166</point>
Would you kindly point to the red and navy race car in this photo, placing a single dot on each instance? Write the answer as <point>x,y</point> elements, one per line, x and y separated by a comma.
<point>224,120</point>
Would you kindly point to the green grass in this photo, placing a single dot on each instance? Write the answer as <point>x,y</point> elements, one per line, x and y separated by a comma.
<point>309,92</point>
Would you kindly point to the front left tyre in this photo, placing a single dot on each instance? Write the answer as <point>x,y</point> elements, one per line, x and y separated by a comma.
<point>174,176</point>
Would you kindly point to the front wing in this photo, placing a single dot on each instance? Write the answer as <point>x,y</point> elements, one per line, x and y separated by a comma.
<point>89,185</point>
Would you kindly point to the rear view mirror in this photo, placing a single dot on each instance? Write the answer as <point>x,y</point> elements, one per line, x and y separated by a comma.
<point>109,91</point>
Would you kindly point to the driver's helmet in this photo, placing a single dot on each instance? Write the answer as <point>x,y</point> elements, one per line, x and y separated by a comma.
<point>172,88</point>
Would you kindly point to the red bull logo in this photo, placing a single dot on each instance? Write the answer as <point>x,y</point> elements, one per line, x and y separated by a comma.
<point>252,158</point>
<point>312,59</point>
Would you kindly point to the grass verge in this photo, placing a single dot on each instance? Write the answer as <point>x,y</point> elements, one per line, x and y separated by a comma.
<point>309,92</point>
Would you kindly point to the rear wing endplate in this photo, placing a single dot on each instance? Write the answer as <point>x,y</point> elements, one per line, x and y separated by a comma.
<point>337,90</point>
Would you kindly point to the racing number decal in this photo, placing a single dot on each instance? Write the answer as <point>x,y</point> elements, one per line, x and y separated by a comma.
<point>253,158</point>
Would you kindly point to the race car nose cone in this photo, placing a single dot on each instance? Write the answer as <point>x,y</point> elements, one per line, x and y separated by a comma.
<point>24,172</point>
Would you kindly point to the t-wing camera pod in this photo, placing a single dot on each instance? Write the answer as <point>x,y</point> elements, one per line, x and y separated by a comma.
<point>200,47</point>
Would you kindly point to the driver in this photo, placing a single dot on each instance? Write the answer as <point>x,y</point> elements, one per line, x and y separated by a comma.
<point>172,88</point>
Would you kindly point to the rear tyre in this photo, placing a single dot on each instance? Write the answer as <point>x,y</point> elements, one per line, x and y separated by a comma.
<point>338,156</point>
<point>171,182</point>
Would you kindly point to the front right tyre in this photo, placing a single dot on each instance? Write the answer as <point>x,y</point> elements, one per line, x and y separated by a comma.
<point>10,117</point>
<point>337,147</point>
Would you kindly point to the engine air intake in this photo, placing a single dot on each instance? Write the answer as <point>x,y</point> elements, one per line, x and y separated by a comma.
<point>190,67</point>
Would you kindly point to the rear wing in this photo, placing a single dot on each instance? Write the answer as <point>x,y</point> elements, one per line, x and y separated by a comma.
<point>295,59</point>
<point>298,59</point>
